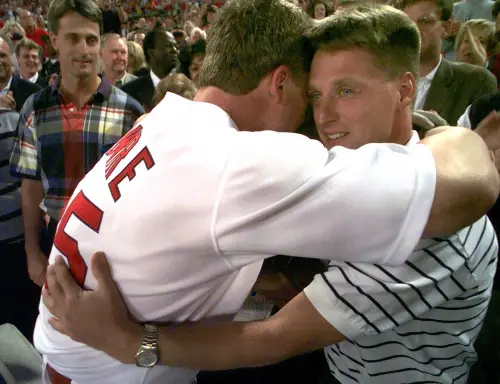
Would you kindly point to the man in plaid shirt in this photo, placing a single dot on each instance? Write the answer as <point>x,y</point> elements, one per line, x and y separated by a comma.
<point>65,128</point>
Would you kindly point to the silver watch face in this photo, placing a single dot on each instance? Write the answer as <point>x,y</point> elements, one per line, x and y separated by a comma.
<point>147,358</point>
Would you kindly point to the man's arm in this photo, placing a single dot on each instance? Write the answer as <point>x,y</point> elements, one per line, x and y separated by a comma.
<point>122,15</point>
<point>467,181</point>
<point>32,194</point>
<point>297,328</point>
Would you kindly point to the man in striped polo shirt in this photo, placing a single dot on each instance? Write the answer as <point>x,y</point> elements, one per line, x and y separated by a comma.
<point>65,128</point>
<point>362,86</point>
<point>19,297</point>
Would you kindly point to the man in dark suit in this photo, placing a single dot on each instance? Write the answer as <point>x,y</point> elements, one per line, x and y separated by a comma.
<point>13,90</point>
<point>162,56</point>
<point>445,87</point>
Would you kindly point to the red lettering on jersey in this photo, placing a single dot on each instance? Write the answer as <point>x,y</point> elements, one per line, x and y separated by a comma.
<point>121,149</point>
<point>90,215</point>
<point>129,171</point>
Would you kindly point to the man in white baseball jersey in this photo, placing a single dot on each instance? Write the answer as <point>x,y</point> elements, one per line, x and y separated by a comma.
<point>186,207</point>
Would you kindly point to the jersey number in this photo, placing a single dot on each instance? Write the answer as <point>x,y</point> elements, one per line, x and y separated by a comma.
<point>91,215</point>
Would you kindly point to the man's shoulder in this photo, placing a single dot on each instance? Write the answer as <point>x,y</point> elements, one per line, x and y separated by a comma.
<point>122,99</point>
<point>137,83</point>
<point>466,70</point>
<point>8,120</point>
<point>25,84</point>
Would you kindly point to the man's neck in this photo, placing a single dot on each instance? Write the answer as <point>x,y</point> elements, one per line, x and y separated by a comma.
<point>161,72</point>
<point>79,90</point>
<point>426,66</point>
<point>27,75</point>
<point>404,129</point>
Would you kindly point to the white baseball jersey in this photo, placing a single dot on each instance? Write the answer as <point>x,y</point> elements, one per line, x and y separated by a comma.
<point>186,207</point>
<point>416,322</point>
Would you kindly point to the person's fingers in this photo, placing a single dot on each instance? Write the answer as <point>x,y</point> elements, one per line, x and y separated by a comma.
<point>53,287</point>
<point>48,300</point>
<point>64,278</point>
<point>102,273</point>
<point>58,326</point>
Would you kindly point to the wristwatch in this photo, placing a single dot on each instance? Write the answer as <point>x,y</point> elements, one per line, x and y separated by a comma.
<point>148,354</point>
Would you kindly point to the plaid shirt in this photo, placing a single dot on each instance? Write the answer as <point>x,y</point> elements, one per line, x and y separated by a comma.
<point>58,144</point>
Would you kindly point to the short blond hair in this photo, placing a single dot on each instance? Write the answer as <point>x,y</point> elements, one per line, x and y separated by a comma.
<point>381,30</point>
<point>482,29</point>
<point>178,84</point>
<point>136,59</point>
<point>13,24</point>
<point>29,45</point>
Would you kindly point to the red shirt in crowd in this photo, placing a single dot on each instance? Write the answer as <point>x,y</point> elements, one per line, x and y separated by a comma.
<point>36,36</point>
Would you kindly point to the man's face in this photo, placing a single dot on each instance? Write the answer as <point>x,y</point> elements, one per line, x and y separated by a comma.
<point>77,42</point>
<point>165,52</point>
<point>105,4</point>
<point>195,68</point>
<point>139,38</point>
<point>26,20</point>
<point>353,102</point>
<point>428,19</point>
<point>115,55</point>
<point>5,61</point>
<point>29,61</point>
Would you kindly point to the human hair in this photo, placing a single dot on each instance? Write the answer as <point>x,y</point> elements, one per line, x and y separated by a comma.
<point>28,44</point>
<point>496,9</point>
<point>445,6</point>
<point>313,4</point>
<point>196,30</point>
<point>107,36</point>
<point>8,41</point>
<point>178,84</point>
<point>136,59</point>
<point>150,41</point>
<point>9,24</point>
<point>187,54</point>
<point>250,39</point>
<point>86,8</point>
<point>384,32</point>
<point>210,9</point>
<point>483,30</point>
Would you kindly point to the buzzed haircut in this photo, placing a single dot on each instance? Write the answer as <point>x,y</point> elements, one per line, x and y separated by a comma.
<point>249,40</point>
<point>386,33</point>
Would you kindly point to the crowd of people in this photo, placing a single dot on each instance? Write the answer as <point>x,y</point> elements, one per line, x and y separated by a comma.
<point>143,129</point>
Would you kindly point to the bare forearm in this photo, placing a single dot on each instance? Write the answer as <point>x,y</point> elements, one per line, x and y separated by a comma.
<point>298,328</point>
<point>122,15</point>
<point>467,183</point>
<point>31,195</point>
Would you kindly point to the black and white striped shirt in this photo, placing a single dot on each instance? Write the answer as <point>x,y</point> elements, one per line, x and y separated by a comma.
<point>415,323</point>
<point>11,222</point>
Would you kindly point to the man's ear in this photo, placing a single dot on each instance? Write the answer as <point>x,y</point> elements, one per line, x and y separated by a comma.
<point>53,39</point>
<point>278,81</point>
<point>407,89</point>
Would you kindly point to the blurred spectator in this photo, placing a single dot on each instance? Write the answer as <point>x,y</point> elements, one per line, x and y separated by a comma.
<point>32,32</point>
<point>197,34</point>
<point>191,59</point>
<point>162,56</point>
<point>29,56</point>
<point>180,37</point>
<point>445,87</point>
<point>139,37</point>
<point>114,56</point>
<point>13,90</point>
<point>136,60</point>
<point>14,30</point>
<point>188,27</point>
<point>40,22</point>
<point>112,16</point>
<point>475,39</point>
<point>494,61</point>
<point>209,16</point>
<point>178,84</point>
<point>51,65</point>
<point>320,10</point>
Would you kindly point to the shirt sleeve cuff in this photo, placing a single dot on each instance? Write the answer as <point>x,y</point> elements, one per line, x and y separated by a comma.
<point>320,296</point>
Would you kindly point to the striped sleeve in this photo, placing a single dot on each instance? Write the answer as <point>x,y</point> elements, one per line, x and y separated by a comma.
<point>361,299</point>
<point>25,161</point>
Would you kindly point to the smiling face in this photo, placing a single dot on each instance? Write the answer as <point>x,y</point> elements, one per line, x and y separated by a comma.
<point>5,61</point>
<point>29,61</point>
<point>353,101</point>
<point>77,41</point>
<point>114,55</point>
